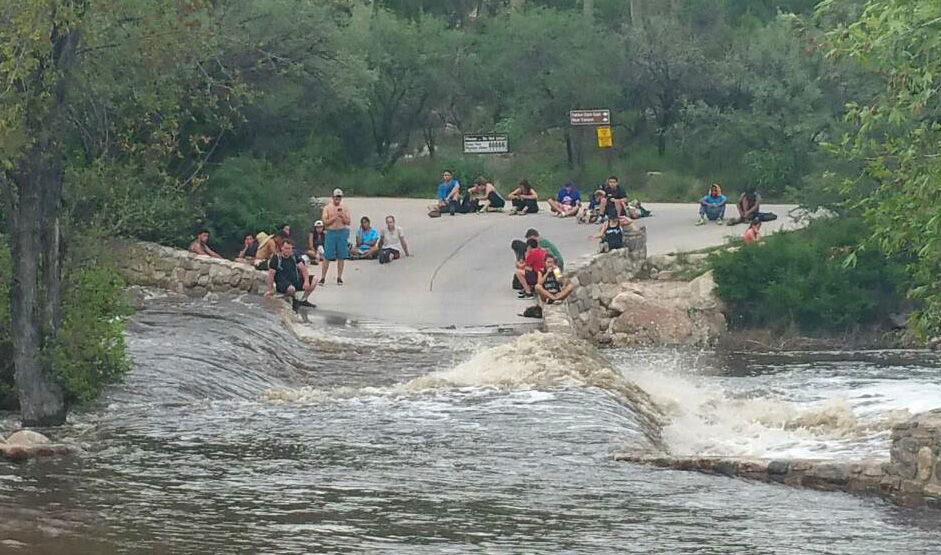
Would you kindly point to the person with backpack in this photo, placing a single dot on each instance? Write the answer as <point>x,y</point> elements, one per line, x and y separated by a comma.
<point>392,242</point>
<point>287,274</point>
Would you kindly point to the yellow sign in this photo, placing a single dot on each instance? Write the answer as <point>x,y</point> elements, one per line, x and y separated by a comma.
<point>604,137</point>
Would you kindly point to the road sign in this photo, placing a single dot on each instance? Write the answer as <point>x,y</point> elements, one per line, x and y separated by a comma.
<point>485,144</point>
<point>604,137</point>
<point>590,117</point>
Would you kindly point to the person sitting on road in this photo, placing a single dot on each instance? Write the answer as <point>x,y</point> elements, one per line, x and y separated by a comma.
<point>592,213</point>
<point>552,287</point>
<point>392,242</point>
<point>525,199</point>
<point>519,251</point>
<point>249,250</point>
<point>752,234</point>
<point>449,194</point>
<point>533,264</point>
<point>611,235</point>
<point>749,206</point>
<point>491,201</point>
<point>288,274</point>
<point>712,206</point>
<point>200,245</point>
<point>367,241</point>
<point>614,204</point>
<point>315,241</point>
<point>545,244</point>
<point>567,201</point>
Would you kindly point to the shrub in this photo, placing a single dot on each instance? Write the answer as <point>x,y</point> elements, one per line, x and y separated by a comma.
<point>800,280</point>
<point>90,352</point>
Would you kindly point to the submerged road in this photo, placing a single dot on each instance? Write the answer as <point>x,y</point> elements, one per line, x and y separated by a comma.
<point>462,266</point>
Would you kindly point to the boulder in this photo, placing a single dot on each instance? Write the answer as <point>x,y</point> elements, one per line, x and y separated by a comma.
<point>26,444</point>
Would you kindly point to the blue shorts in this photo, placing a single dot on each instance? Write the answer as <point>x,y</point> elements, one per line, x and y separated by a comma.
<point>336,244</point>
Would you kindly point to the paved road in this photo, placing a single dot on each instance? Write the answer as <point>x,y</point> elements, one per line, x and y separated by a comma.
<point>462,266</point>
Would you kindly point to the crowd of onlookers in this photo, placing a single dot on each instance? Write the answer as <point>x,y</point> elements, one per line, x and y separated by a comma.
<point>539,263</point>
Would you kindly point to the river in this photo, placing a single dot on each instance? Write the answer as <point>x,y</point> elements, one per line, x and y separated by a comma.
<point>232,436</point>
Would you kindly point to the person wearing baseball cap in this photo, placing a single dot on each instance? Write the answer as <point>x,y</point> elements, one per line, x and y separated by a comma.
<point>336,220</point>
<point>315,242</point>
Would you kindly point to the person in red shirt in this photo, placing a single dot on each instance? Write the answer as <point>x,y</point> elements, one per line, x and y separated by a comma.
<point>752,233</point>
<point>533,264</point>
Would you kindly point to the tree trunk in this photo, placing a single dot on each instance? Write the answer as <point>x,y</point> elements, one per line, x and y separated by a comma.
<point>637,13</point>
<point>42,400</point>
<point>588,8</point>
<point>568,147</point>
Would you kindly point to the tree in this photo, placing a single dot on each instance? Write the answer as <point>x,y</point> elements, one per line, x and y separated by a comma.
<point>896,139</point>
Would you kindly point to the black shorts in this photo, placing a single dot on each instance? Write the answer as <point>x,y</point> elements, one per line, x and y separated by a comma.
<point>496,201</point>
<point>531,277</point>
<point>281,285</point>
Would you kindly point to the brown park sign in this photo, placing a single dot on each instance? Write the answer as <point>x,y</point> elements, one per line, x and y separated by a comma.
<point>590,117</point>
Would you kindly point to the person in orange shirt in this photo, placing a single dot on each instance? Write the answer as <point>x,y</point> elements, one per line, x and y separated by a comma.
<point>752,234</point>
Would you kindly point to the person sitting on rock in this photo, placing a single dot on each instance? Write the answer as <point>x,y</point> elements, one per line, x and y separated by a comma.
<point>249,250</point>
<point>551,286</point>
<point>611,235</point>
<point>367,241</point>
<point>266,249</point>
<point>525,199</point>
<point>392,242</point>
<point>528,272</point>
<point>288,274</point>
<point>200,245</point>
<point>753,233</point>
<point>315,241</point>
<point>712,206</point>
<point>566,202</point>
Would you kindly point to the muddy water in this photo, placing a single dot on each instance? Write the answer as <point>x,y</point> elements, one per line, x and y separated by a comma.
<point>231,436</point>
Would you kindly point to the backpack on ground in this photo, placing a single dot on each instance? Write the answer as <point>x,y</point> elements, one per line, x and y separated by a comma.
<point>434,213</point>
<point>533,312</point>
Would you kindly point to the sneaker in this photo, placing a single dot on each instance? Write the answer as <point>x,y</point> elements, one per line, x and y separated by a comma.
<point>719,221</point>
<point>308,304</point>
<point>702,221</point>
<point>524,296</point>
<point>295,304</point>
<point>339,281</point>
<point>512,212</point>
<point>322,281</point>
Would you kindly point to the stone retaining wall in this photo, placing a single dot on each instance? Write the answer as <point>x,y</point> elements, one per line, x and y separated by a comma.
<point>152,265</point>
<point>616,302</point>
<point>912,476</point>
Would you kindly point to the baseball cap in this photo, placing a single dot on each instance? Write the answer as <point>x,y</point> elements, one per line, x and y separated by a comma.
<point>338,192</point>
<point>318,222</point>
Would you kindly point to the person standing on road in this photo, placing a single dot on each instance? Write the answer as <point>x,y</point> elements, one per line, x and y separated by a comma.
<point>336,246</point>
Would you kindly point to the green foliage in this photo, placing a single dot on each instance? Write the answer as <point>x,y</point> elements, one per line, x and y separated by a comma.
<point>90,352</point>
<point>800,280</point>
<point>246,196</point>
<point>895,138</point>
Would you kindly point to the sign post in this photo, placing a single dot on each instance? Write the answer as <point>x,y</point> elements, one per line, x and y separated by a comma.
<point>493,143</point>
<point>590,117</point>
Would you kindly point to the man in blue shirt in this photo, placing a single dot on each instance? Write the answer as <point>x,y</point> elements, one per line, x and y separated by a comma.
<point>567,201</point>
<point>712,206</point>
<point>449,193</point>
<point>367,241</point>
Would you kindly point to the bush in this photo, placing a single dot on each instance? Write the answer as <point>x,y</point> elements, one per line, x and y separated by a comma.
<point>800,280</point>
<point>90,352</point>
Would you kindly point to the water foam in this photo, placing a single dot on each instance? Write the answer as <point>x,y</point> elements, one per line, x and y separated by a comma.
<point>533,361</point>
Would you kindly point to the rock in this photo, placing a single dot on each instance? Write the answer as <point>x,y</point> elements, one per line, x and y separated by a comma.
<point>935,343</point>
<point>26,444</point>
<point>925,463</point>
<point>27,437</point>
<point>702,291</point>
